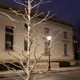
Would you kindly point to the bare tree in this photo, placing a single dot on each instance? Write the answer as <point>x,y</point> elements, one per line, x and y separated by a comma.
<point>27,15</point>
<point>77,42</point>
<point>78,28</point>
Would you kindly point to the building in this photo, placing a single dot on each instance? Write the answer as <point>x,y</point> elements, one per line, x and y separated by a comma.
<point>13,38</point>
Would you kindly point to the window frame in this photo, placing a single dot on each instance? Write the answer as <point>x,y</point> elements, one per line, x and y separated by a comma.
<point>65,49</point>
<point>25,45</point>
<point>46,31</point>
<point>47,51</point>
<point>8,38</point>
<point>65,35</point>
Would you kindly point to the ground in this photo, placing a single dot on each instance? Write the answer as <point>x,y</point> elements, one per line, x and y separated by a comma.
<point>69,75</point>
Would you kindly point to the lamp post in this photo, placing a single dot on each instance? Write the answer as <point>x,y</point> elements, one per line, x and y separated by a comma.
<point>49,65</point>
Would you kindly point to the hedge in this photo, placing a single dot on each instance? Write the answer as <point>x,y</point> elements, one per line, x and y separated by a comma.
<point>64,64</point>
<point>10,65</point>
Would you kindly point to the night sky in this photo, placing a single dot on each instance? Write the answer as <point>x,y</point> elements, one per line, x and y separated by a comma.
<point>67,9</point>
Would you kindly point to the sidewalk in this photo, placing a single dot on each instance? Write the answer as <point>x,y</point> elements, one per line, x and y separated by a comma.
<point>62,69</point>
<point>54,70</point>
<point>66,69</point>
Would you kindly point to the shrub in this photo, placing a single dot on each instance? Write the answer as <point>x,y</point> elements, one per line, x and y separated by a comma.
<point>15,65</point>
<point>2,67</point>
<point>64,64</point>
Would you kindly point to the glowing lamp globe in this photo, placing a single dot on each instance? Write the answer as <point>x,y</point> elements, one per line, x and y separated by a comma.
<point>49,38</point>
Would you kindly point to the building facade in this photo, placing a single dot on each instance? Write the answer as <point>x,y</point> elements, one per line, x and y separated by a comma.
<point>13,38</point>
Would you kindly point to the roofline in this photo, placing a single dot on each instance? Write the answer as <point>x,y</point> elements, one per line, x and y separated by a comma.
<point>53,19</point>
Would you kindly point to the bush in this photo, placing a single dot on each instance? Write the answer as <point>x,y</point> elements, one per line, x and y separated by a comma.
<point>64,64</point>
<point>2,67</point>
<point>15,65</point>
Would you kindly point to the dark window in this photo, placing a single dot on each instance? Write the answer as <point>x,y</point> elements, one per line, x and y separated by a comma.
<point>25,45</point>
<point>65,49</point>
<point>25,25</point>
<point>65,35</point>
<point>47,48</point>
<point>9,38</point>
<point>46,31</point>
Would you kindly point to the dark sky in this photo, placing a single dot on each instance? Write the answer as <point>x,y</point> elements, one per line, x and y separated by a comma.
<point>67,9</point>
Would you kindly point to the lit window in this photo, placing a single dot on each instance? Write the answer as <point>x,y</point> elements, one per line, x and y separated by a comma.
<point>74,41</point>
<point>78,51</point>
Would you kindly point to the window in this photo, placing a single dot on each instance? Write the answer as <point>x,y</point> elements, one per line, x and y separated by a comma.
<point>25,45</point>
<point>65,49</point>
<point>9,38</point>
<point>65,35</point>
<point>46,31</point>
<point>47,48</point>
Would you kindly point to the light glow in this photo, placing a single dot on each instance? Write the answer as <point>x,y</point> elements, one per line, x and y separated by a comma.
<point>49,38</point>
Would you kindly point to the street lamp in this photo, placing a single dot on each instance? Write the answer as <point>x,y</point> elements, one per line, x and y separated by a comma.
<point>49,38</point>
<point>49,66</point>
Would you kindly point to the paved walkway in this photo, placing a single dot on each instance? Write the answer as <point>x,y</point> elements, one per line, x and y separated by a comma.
<point>63,69</point>
<point>54,70</point>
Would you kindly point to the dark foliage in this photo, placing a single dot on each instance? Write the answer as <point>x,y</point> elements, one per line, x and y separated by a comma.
<point>11,66</point>
<point>64,64</point>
